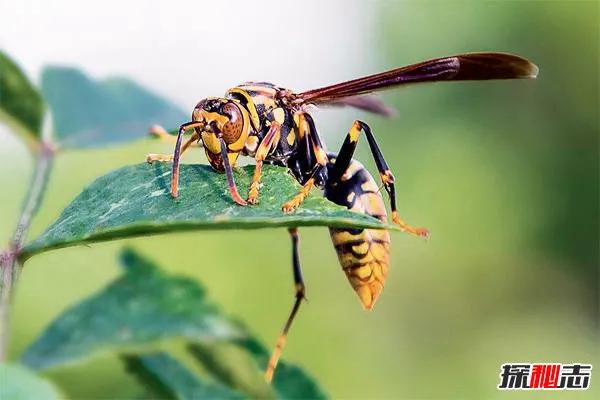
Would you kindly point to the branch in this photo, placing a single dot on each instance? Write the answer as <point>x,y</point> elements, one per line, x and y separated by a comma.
<point>9,262</point>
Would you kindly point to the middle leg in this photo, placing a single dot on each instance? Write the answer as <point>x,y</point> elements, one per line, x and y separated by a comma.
<point>315,154</point>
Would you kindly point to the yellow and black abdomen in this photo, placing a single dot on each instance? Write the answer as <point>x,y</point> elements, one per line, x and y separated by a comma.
<point>363,253</point>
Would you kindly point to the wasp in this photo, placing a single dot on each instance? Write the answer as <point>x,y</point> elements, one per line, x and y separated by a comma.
<point>273,125</point>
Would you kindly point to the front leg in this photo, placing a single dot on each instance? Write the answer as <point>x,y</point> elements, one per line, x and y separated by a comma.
<point>179,150</point>
<point>151,157</point>
<point>270,139</point>
<point>229,174</point>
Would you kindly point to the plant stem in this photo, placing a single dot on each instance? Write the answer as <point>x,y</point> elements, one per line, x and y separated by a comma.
<point>9,259</point>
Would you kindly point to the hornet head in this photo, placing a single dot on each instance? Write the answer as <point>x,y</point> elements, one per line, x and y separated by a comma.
<point>223,119</point>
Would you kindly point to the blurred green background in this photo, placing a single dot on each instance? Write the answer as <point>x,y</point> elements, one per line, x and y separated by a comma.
<point>504,174</point>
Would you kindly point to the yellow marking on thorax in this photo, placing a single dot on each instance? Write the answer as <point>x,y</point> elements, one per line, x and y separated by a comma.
<point>264,90</point>
<point>268,102</point>
<point>291,137</point>
<point>279,115</point>
<point>298,125</point>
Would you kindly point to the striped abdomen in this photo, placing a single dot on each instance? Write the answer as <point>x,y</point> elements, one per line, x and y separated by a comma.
<point>363,253</point>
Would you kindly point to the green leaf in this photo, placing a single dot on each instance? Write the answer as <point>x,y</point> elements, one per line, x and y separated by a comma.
<point>234,367</point>
<point>145,305</point>
<point>135,200</point>
<point>19,383</point>
<point>141,307</point>
<point>20,103</point>
<point>165,377</point>
<point>289,381</point>
<point>88,113</point>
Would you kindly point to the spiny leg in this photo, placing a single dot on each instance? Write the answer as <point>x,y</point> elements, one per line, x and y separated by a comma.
<point>307,134</point>
<point>177,154</point>
<point>343,161</point>
<point>263,150</point>
<point>229,173</point>
<point>150,158</point>
<point>300,291</point>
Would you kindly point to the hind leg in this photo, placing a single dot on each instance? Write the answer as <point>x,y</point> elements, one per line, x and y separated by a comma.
<point>387,178</point>
<point>299,288</point>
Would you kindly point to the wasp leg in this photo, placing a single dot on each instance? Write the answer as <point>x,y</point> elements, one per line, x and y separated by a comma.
<point>161,133</point>
<point>291,205</point>
<point>150,158</point>
<point>177,154</point>
<point>263,150</point>
<point>387,178</point>
<point>300,291</point>
<point>307,133</point>
<point>229,173</point>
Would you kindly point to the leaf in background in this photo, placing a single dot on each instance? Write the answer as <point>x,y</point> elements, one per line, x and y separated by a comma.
<point>289,381</point>
<point>135,200</point>
<point>165,377</point>
<point>234,367</point>
<point>143,306</point>
<point>88,113</point>
<point>19,383</point>
<point>20,102</point>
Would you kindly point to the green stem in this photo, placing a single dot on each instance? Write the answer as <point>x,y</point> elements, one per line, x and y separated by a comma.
<point>9,261</point>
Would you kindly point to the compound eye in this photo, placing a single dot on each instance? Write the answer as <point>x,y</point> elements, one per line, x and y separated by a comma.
<point>232,129</point>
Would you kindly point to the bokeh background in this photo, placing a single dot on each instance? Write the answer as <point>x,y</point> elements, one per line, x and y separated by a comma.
<point>504,174</point>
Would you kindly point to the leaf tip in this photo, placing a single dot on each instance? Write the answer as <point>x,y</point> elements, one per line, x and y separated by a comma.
<point>133,262</point>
